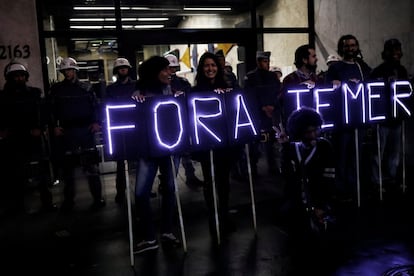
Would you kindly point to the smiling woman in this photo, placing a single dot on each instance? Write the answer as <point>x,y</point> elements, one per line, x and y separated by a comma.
<point>210,74</point>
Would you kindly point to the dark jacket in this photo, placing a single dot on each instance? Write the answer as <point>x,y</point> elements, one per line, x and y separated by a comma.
<point>344,71</point>
<point>310,173</point>
<point>119,90</point>
<point>265,87</point>
<point>22,109</point>
<point>73,104</point>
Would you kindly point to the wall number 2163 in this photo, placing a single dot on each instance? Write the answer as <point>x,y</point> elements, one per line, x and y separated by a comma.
<point>14,51</point>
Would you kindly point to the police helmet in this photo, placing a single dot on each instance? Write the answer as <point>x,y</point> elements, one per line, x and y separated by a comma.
<point>15,67</point>
<point>68,63</point>
<point>275,69</point>
<point>173,60</point>
<point>121,62</point>
<point>332,58</point>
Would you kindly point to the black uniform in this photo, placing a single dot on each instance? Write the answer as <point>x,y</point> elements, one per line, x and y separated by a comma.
<point>21,112</point>
<point>74,108</point>
<point>265,87</point>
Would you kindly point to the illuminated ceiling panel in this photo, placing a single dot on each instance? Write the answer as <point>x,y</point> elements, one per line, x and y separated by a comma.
<point>165,13</point>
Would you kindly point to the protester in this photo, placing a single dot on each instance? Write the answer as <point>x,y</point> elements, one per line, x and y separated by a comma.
<point>390,132</point>
<point>210,77</point>
<point>154,80</point>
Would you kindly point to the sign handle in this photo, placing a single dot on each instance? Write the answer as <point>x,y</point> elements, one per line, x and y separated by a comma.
<point>213,183</point>
<point>177,198</point>
<point>379,162</point>
<point>357,167</point>
<point>249,170</point>
<point>404,187</point>
<point>128,194</point>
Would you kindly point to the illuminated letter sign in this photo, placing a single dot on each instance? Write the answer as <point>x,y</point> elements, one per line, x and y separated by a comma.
<point>207,120</point>
<point>377,98</point>
<point>397,96</point>
<point>298,93</point>
<point>359,108</point>
<point>355,104</point>
<point>178,139</point>
<point>242,109</point>
<point>327,106</point>
<point>109,127</point>
<point>166,125</point>
<point>241,112</point>
<point>199,116</point>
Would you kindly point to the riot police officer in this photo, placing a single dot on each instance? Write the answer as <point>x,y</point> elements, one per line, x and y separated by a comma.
<point>75,120</point>
<point>120,90</point>
<point>22,137</point>
<point>262,83</point>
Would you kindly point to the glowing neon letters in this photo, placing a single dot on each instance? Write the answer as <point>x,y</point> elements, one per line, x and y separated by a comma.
<point>168,125</point>
<point>110,128</point>
<point>354,104</point>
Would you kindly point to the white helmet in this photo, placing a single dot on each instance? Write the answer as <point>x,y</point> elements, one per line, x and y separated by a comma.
<point>332,58</point>
<point>68,63</point>
<point>173,60</point>
<point>16,67</point>
<point>275,69</point>
<point>121,62</point>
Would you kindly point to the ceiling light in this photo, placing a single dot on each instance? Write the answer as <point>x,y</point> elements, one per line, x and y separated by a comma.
<point>86,8</point>
<point>207,8</point>
<point>106,8</point>
<point>87,27</point>
<point>140,8</point>
<point>129,19</point>
<point>148,26</point>
<point>85,19</point>
<point>153,19</point>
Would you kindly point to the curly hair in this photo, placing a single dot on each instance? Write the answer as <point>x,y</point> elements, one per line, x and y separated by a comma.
<point>299,120</point>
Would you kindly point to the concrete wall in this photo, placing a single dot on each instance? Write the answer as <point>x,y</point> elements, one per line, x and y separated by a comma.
<point>284,13</point>
<point>19,38</point>
<point>371,21</point>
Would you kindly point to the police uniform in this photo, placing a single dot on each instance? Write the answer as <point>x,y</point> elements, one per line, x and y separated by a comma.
<point>265,88</point>
<point>74,108</point>
<point>22,112</point>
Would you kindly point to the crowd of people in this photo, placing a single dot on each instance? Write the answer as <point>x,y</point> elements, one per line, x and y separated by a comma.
<point>318,171</point>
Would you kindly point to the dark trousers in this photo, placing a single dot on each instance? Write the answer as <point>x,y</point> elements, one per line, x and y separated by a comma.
<point>223,160</point>
<point>68,173</point>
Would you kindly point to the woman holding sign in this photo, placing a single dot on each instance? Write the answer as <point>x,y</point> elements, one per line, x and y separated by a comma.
<point>210,77</point>
<point>154,80</point>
